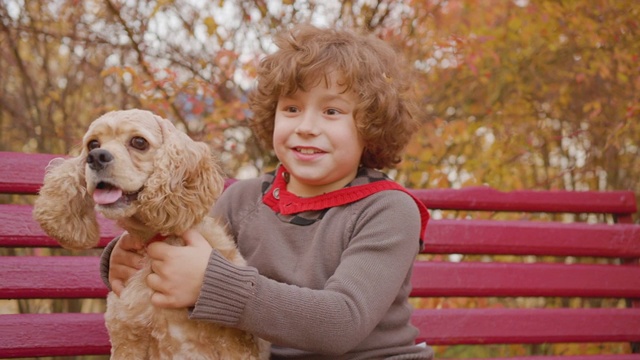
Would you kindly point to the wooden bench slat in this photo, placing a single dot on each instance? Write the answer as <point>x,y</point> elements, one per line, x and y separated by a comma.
<point>76,334</point>
<point>19,229</point>
<point>42,331</point>
<point>69,334</point>
<point>482,198</point>
<point>570,357</point>
<point>517,279</point>
<point>22,173</point>
<point>33,277</point>
<point>78,277</point>
<point>442,237</point>
<point>532,238</point>
<point>526,326</point>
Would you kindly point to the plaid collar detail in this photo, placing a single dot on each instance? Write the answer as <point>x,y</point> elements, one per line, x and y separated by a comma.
<point>367,182</point>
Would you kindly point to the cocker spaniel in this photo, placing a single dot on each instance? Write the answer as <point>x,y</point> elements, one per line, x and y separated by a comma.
<point>154,181</point>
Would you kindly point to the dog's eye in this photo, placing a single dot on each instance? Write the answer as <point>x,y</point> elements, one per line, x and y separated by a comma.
<point>139,143</point>
<point>93,144</point>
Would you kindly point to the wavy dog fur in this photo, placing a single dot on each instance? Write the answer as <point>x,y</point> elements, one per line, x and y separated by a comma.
<point>166,184</point>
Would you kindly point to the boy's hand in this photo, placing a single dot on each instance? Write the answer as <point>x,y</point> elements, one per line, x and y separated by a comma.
<point>178,271</point>
<point>124,262</point>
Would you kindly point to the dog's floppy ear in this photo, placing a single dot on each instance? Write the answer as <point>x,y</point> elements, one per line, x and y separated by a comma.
<point>186,182</point>
<point>64,209</point>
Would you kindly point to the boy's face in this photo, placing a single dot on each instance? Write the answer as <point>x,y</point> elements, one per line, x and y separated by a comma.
<point>316,139</point>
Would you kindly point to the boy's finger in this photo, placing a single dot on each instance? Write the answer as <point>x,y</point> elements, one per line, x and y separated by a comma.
<point>158,250</point>
<point>159,300</point>
<point>156,283</point>
<point>129,242</point>
<point>160,297</point>
<point>130,259</point>
<point>192,237</point>
<point>117,286</point>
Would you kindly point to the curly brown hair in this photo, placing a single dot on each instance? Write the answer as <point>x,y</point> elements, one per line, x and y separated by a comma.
<point>366,64</point>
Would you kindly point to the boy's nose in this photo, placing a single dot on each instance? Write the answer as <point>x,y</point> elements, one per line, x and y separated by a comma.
<point>307,125</point>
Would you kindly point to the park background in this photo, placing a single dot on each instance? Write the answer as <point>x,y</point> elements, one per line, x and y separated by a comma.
<point>514,94</point>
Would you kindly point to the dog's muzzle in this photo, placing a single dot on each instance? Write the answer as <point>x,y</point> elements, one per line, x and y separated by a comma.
<point>98,159</point>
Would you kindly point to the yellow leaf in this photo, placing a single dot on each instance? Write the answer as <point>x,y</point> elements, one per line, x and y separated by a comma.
<point>211,24</point>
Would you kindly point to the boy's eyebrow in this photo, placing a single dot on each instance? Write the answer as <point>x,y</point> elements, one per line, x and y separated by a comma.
<point>343,96</point>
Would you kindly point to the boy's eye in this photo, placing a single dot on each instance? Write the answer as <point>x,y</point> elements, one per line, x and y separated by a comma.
<point>291,109</point>
<point>333,112</point>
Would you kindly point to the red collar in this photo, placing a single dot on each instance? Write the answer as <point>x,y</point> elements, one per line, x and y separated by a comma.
<point>283,202</point>
<point>157,237</point>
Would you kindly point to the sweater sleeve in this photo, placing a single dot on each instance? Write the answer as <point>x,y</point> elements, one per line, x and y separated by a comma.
<point>374,269</point>
<point>104,261</point>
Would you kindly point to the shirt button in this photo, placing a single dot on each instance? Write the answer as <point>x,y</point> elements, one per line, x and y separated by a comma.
<point>276,193</point>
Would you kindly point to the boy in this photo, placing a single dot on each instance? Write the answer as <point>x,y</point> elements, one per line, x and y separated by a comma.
<point>330,249</point>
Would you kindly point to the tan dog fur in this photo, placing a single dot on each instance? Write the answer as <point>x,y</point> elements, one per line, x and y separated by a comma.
<point>176,181</point>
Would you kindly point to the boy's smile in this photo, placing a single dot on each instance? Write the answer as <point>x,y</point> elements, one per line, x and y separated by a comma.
<point>316,139</point>
<point>308,151</point>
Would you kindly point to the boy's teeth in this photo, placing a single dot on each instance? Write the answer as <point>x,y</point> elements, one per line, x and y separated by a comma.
<point>306,151</point>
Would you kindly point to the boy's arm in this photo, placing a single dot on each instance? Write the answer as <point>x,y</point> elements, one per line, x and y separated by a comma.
<point>374,270</point>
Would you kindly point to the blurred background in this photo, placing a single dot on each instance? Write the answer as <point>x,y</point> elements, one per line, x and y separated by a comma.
<point>515,94</point>
<point>522,94</point>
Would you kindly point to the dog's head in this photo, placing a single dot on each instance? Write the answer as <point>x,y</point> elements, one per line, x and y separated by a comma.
<point>120,150</point>
<point>138,164</point>
<point>136,168</point>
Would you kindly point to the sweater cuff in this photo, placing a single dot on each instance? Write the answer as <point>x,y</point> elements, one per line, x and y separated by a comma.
<point>105,258</point>
<point>225,291</point>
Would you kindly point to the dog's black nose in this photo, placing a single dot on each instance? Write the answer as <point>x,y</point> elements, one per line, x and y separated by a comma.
<point>98,159</point>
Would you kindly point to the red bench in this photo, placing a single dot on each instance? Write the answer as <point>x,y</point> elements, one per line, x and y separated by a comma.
<point>592,301</point>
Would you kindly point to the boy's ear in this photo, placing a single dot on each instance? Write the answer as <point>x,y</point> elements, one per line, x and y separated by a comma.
<point>64,209</point>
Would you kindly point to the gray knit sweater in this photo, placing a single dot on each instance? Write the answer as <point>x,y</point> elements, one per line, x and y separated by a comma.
<point>327,284</point>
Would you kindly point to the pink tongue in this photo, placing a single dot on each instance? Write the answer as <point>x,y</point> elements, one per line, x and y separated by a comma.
<point>103,197</point>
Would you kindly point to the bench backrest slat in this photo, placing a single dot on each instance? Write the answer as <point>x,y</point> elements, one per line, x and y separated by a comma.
<point>474,279</point>
<point>531,326</point>
<point>532,238</point>
<point>39,335</point>
<point>22,173</point>
<point>442,237</point>
<point>487,199</point>
<point>77,334</point>
<point>29,277</point>
<point>19,229</point>
<point>35,277</point>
